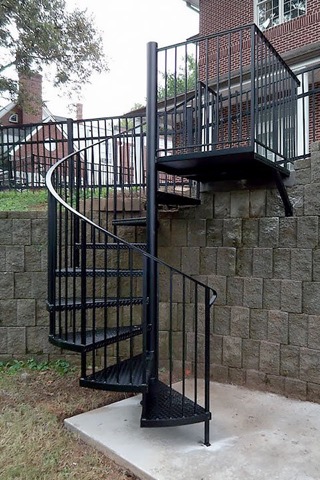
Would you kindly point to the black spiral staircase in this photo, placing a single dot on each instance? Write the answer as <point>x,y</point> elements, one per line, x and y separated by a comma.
<point>139,324</point>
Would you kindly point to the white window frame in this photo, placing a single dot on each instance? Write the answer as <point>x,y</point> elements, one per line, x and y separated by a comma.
<point>282,18</point>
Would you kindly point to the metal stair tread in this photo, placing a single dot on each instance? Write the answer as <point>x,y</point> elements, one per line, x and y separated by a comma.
<point>130,222</point>
<point>76,304</point>
<point>98,272</point>
<point>110,246</point>
<point>167,407</point>
<point>169,198</point>
<point>95,339</point>
<point>130,375</point>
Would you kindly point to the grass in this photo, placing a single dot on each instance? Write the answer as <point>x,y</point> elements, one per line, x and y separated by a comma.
<point>17,201</point>
<point>34,400</point>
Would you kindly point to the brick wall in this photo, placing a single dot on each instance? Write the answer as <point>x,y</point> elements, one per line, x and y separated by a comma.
<point>226,14</point>
<point>266,270</point>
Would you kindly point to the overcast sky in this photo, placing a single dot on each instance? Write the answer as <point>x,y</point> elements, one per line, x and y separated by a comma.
<point>127,26</point>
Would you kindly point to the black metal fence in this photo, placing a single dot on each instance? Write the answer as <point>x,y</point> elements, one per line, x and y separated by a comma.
<point>117,159</point>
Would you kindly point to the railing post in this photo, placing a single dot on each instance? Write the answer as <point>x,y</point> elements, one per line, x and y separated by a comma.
<point>207,365</point>
<point>152,280</point>
<point>52,255</point>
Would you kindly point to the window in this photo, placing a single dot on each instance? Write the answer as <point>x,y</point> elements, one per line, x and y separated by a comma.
<point>273,12</point>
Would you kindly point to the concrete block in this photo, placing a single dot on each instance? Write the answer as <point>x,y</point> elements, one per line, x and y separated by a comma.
<point>219,283</point>
<point>294,388</point>
<point>179,229</point>
<point>232,352</point>
<point>316,265</point>
<point>164,233</point>
<point>271,298</point>
<point>3,340</point>
<point>315,167</point>
<point>33,258</point>
<point>8,313</point>
<point>26,313</point>
<point>21,231</point>
<point>298,329</point>
<point>222,320</point>
<point>311,199</point>
<point>232,232</point>
<point>250,354</point>
<point>17,340</point>
<point>240,322</point>
<point>289,361</point>
<point>275,206</point>
<point>244,262</point>
<point>269,232</point>
<point>310,365</point>
<point>252,292</point>
<point>301,264</point>
<point>6,285</point>
<point>240,204</point>
<point>270,358</point>
<point>257,203</point>
<point>237,376</point>
<point>39,231</point>
<point>214,232</point>
<point>311,296</point>
<point>3,265</point>
<point>190,260</point>
<point>197,232</point>
<point>296,196</point>
<point>250,232</point>
<point>287,232</point>
<point>172,255</point>
<point>219,373</point>
<point>278,326</point>
<point>314,332</point>
<point>5,231</point>
<point>291,296</point>
<point>39,285</point>
<point>14,259</point>
<point>256,380</point>
<point>37,341</point>
<point>313,392</point>
<point>302,176</point>
<point>275,384</point>
<point>222,204</point>
<point>42,315</point>
<point>258,324</point>
<point>282,262</point>
<point>226,261</point>
<point>307,232</point>
<point>234,291</point>
<point>216,349</point>
<point>208,261</point>
<point>22,285</point>
<point>262,262</point>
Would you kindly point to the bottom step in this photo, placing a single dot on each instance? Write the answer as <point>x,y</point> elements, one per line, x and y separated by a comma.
<point>130,375</point>
<point>166,407</point>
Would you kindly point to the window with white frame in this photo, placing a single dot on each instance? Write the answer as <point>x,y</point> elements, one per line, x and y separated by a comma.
<point>269,13</point>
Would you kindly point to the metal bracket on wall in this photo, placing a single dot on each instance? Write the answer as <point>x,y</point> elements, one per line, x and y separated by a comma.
<point>283,194</point>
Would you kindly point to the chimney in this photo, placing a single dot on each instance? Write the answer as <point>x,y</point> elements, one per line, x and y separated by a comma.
<point>30,88</point>
<point>79,111</point>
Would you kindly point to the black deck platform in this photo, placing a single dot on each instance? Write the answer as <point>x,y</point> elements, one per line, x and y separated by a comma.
<point>228,164</point>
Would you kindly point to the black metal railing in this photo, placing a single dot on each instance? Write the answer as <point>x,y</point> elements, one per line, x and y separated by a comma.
<point>230,90</point>
<point>99,304</point>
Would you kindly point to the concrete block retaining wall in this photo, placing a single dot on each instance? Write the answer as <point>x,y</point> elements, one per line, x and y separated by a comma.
<point>266,270</point>
<point>264,266</point>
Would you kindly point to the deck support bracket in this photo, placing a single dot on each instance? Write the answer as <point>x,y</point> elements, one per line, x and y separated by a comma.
<point>283,194</point>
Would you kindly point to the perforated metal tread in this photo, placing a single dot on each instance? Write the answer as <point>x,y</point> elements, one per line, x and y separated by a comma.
<point>98,272</point>
<point>111,246</point>
<point>131,222</point>
<point>130,375</point>
<point>166,407</point>
<point>99,338</point>
<point>76,304</point>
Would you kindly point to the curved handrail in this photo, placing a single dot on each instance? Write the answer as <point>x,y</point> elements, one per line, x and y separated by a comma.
<point>59,199</point>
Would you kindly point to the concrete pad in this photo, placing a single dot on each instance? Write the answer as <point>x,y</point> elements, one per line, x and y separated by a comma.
<point>254,435</point>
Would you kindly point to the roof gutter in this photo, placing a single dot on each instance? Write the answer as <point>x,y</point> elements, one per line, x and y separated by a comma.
<point>193,4</point>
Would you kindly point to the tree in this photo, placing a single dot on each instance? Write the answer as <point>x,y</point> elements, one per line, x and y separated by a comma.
<point>35,34</point>
<point>183,80</point>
